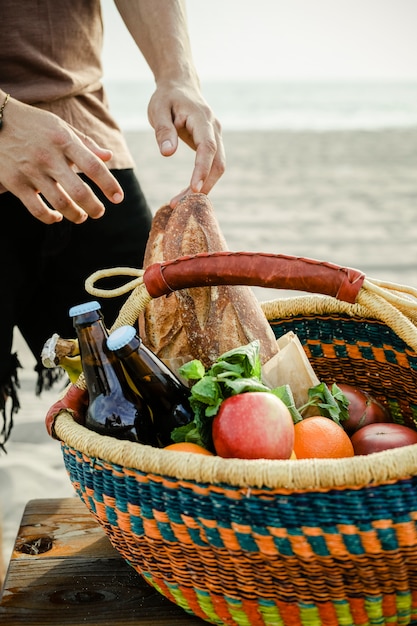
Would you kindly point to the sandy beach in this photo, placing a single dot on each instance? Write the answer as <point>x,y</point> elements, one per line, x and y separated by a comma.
<point>345,197</point>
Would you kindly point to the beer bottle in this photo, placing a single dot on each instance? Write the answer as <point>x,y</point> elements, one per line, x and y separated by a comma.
<point>164,393</point>
<point>114,409</point>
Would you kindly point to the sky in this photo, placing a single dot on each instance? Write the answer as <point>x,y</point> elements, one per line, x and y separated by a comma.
<point>284,40</point>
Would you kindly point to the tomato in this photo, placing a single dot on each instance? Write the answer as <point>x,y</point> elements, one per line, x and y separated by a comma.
<point>363,409</point>
<point>377,437</point>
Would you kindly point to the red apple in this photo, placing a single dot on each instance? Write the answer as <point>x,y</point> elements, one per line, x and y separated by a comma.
<point>253,425</point>
<point>377,437</point>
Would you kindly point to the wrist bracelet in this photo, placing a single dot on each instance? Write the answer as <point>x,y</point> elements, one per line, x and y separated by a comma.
<point>2,108</point>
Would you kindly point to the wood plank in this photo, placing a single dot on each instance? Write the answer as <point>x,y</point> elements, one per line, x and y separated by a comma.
<point>81,579</point>
<point>60,527</point>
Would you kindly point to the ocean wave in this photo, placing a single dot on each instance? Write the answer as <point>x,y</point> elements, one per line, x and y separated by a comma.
<point>263,105</point>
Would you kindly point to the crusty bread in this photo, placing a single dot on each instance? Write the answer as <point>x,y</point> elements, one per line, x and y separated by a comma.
<point>160,325</point>
<point>201,322</point>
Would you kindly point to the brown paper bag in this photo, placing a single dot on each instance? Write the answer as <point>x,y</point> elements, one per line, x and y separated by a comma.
<point>290,366</point>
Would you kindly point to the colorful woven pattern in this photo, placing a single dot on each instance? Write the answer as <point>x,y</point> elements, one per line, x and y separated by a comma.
<point>313,542</point>
<point>365,352</point>
<point>339,557</point>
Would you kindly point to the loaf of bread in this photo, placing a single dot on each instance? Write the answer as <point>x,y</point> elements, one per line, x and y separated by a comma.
<point>200,322</point>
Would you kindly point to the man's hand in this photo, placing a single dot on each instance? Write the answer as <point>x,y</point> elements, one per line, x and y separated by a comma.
<point>177,108</point>
<point>40,155</point>
<point>177,111</point>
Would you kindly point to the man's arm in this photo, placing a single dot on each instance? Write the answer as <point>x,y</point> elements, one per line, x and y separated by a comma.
<point>160,30</point>
<point>177,108</point>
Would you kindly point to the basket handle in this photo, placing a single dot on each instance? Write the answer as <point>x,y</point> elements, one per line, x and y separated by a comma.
<point>276,271</point>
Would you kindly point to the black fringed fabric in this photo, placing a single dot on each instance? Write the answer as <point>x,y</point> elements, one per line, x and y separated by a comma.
<point>47,377</point>
<point>8,390</point>
<point>9,399</point>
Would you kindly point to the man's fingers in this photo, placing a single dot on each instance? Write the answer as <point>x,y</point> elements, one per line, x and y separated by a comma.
<point>174,201</point>
<point>72,195</point>
<point>88,157</point>
<point>209,163</point>
<point>38,207</point>
<point>49,201</point>
<point>103,153</point>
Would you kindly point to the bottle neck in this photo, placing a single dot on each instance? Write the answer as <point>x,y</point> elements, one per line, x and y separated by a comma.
<point>141,361</point>
<point>99,364</point>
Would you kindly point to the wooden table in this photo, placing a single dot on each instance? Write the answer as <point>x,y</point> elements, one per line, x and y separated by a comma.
<point>64,572</point>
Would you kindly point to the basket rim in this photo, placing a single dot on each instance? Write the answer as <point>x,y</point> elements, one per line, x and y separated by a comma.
<point>289,475</point>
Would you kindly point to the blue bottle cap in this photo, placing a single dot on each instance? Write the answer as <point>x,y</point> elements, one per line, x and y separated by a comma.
<point>86,307</point>
<point>120,337</point>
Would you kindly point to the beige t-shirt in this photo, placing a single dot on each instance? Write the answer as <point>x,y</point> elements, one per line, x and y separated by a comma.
<point>50,57</point>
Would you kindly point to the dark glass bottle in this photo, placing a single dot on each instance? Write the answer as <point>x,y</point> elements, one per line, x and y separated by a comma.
<point>164,393</point>
<point>114,409</point>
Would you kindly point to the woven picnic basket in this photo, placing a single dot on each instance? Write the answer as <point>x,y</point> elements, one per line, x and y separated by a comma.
<point>248,542</point>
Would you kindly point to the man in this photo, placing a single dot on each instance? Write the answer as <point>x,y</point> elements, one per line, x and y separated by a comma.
<point>70,202</point>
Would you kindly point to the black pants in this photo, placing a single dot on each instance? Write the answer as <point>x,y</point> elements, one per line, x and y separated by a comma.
<point>43,267</point>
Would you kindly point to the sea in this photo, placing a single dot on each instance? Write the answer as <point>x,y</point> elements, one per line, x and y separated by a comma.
<point>276,105</point>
